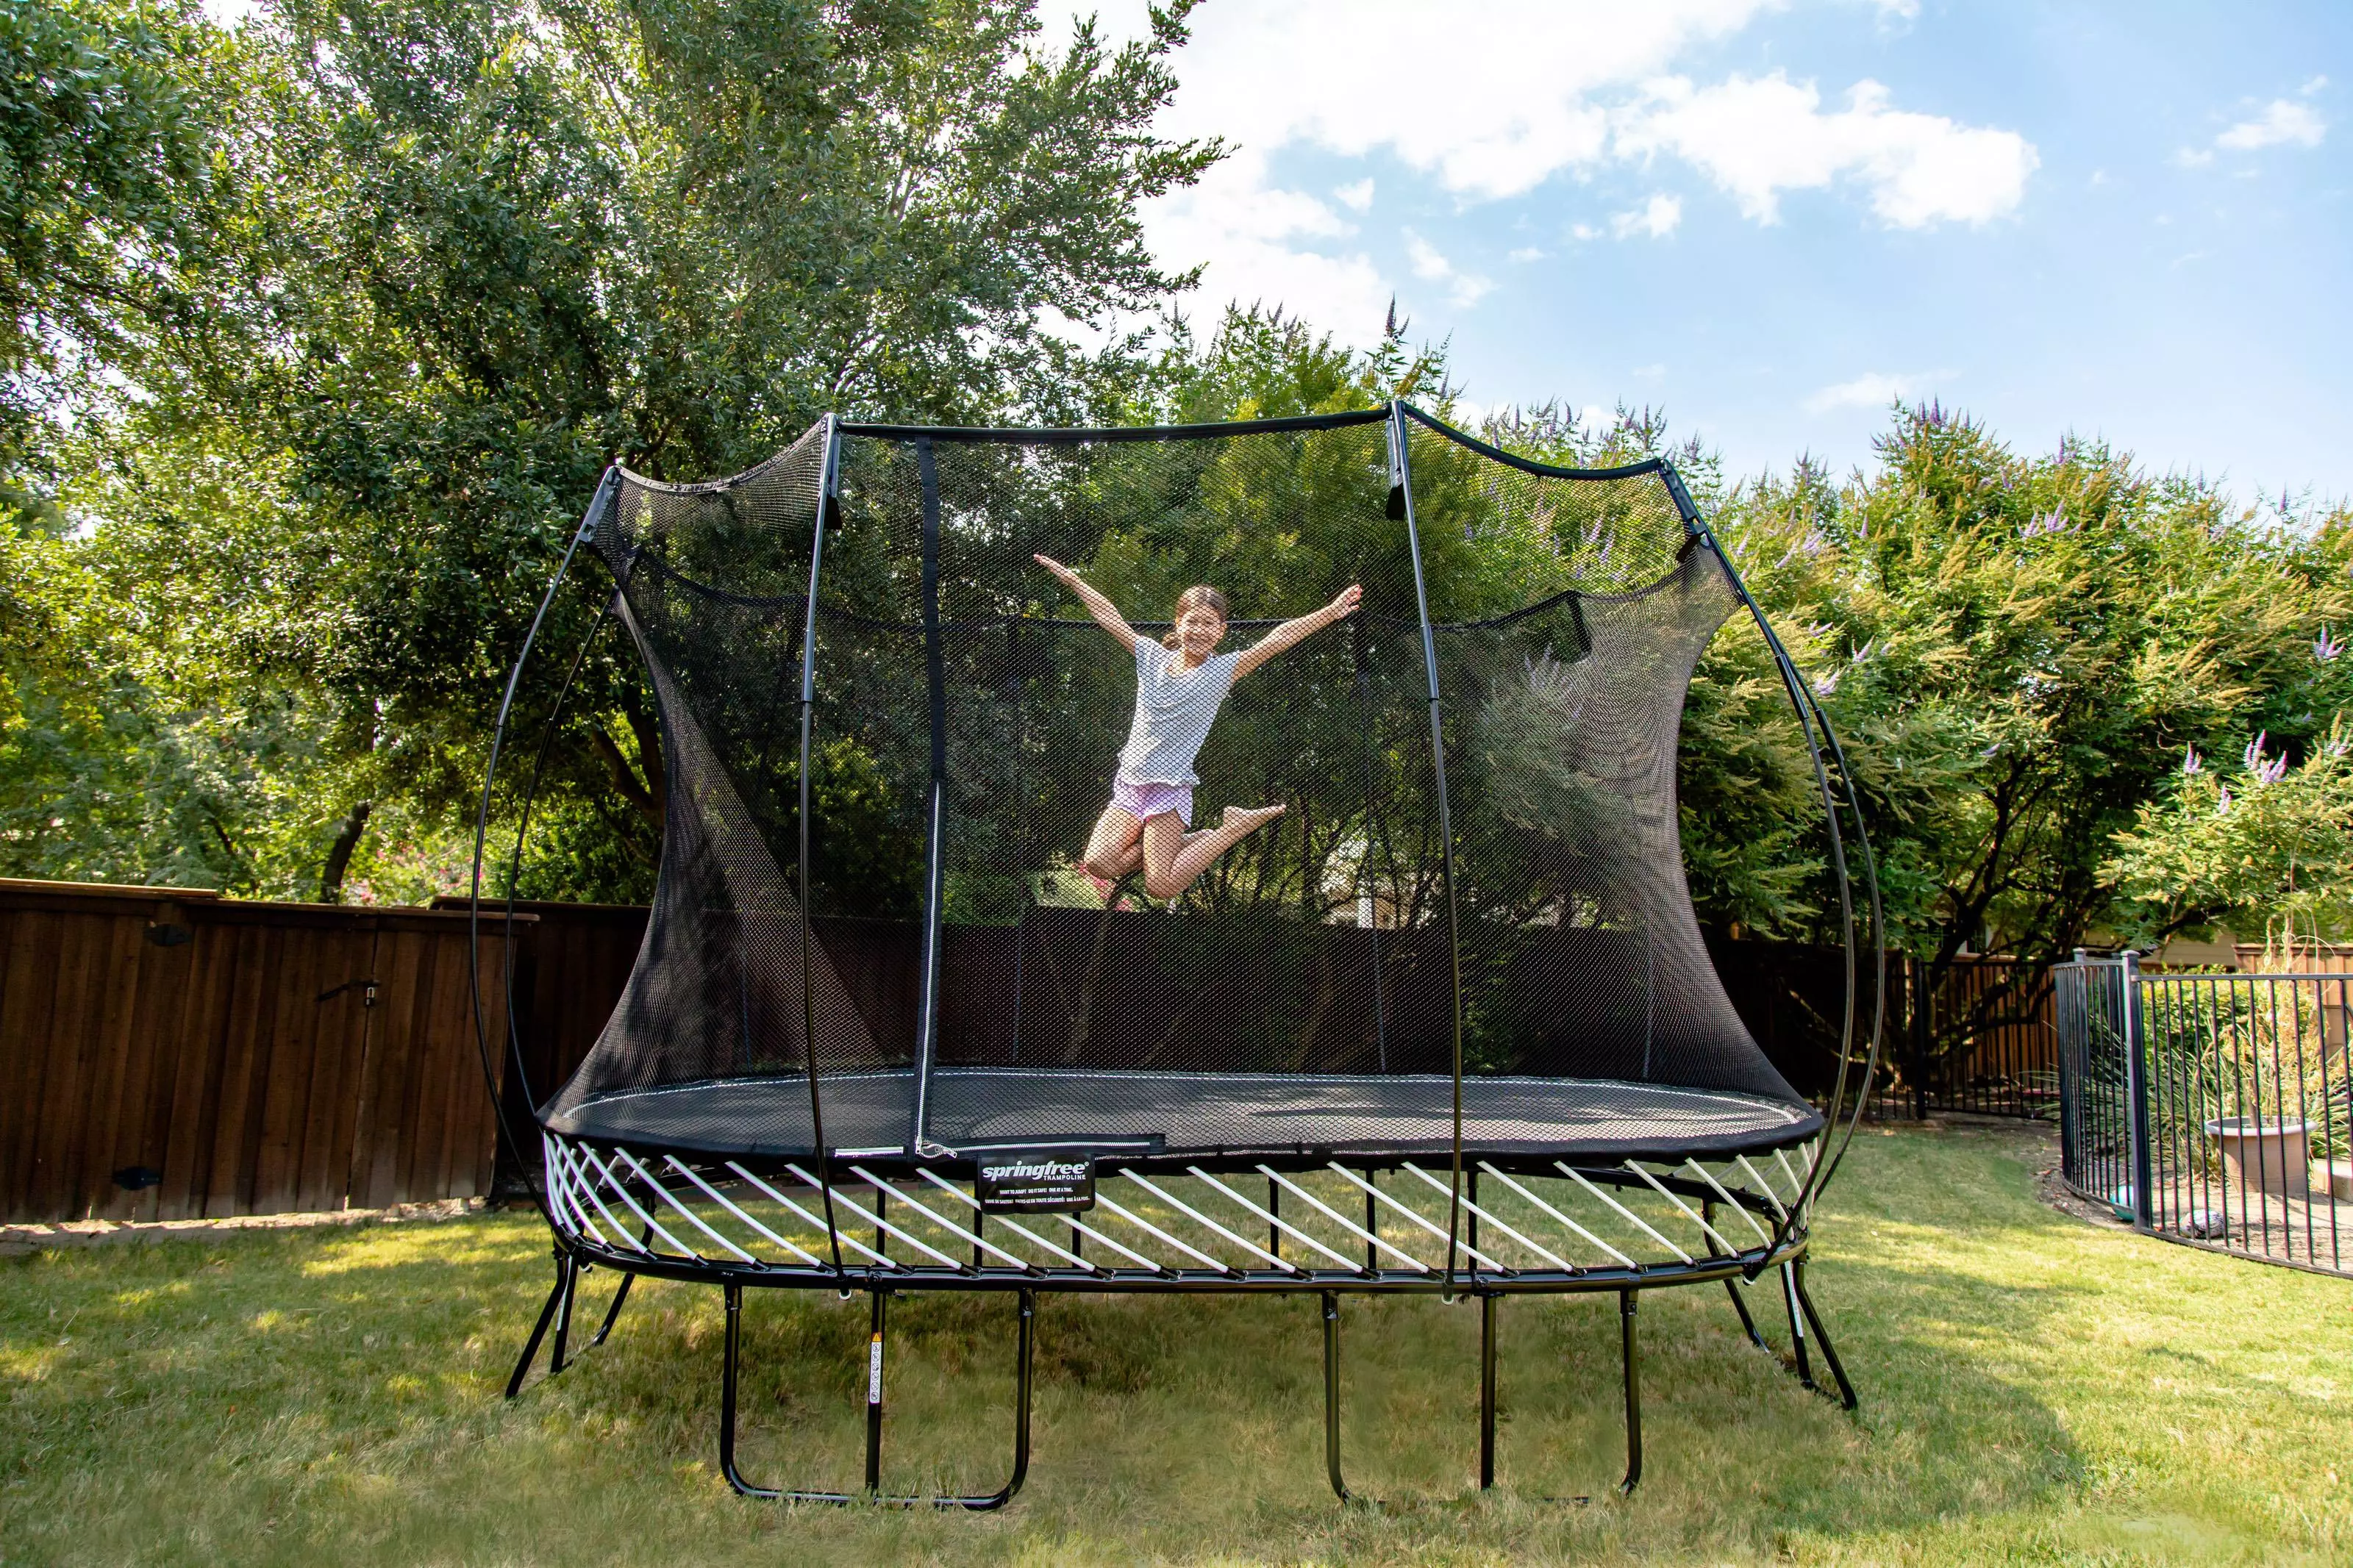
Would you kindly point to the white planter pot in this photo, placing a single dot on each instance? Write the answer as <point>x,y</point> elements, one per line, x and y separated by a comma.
<point>2268,1156</point>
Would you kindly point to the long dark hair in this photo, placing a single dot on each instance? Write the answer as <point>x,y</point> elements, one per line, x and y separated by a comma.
<point>1200,597</point>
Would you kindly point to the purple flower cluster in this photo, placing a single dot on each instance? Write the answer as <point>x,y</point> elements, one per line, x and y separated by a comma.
<point>2051,521</point>
<point>2190,762</point>
<point>2325,647</point>
<point>2262,769</point>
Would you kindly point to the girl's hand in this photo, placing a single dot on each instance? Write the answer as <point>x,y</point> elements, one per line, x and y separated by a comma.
<point>1345,605</point>
<point>1056,567</point>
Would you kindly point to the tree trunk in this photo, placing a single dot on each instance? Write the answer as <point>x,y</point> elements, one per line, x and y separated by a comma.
<point>339,855</point>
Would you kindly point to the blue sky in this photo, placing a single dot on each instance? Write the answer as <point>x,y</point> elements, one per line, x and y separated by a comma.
<point>2125,220</point>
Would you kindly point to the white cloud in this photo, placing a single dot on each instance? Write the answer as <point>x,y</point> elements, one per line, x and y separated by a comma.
<point>2314,85</point>
<point>1583,231</point>
<point>1656,217</point>
<point>1464,289</point>
<point>2281,124</point>
<point>1259,246</point>
<point>1525,252</point>
<point>1534,90</point>
<point>1874,389</point>
<point>1760,136</point>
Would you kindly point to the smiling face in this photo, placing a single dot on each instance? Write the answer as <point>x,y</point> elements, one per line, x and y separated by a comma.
<point>1198,624</point>
<point>1199,629</point>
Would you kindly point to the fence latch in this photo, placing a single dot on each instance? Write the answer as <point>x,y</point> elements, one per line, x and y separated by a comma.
<point>367,994</point>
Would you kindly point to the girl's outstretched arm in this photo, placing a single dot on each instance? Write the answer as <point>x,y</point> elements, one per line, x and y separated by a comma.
<point>1105,613</point>
<point>1295,630</point>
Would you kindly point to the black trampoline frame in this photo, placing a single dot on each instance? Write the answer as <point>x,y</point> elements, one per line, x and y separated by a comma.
<point>1782,1252</point>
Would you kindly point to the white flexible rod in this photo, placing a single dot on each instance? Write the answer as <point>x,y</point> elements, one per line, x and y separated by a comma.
<point>1766,1187</point>
<point>1561,1263</point>
<point>1636,1220</point>
<point>722,1201</point>
<point>1343,1221</point>
<point>622,1192</point>
<point>1558,1216</point>
<point>577,1182</point>
<point>1473,1253</point>
<point>1690,1212</point>
<point>1277,1221</point>
<point>1762,1234</point>
<point>1207,1223</point>
<point>878,1222</point>
<point>671,1198</point>
<point>559,1183</point>
<point>946,1224</point>
<point>1795,1184</point>
<point>810,1220</point>
<point>1145,1225</point>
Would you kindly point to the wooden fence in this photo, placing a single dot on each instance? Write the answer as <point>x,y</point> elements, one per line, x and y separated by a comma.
<point>167,1054</point>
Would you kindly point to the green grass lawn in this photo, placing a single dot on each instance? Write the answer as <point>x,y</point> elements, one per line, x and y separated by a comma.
<point>2034,1389</point>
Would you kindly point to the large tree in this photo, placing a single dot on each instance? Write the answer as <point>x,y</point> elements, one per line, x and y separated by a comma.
<point>481,248</point>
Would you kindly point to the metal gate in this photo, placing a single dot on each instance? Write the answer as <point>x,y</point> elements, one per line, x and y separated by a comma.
<point>2210,1108</point>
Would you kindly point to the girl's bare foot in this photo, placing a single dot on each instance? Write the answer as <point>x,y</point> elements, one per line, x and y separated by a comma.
<point>1248,818</point>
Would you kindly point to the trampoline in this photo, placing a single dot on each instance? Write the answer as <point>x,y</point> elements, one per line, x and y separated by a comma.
<point>956,979</point>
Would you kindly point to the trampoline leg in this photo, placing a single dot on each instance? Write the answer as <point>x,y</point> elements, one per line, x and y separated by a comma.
<point>1332,1394</point>
<point>570,1271</point>
<point>1797,1326</point>
<point>874,1397</point>
<point>538,1332</point>
<point>1732,1287</point>
<point>1486,1392</point>
<point>1814,1321</point>
<point>730,1356</point>
<point>613,1312</point>
<point>1023,1384</point>
<point>1740,1305</point>
<point>1633,1393</point>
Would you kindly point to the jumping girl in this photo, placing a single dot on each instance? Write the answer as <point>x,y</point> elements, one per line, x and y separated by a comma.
<point>1180,683</point>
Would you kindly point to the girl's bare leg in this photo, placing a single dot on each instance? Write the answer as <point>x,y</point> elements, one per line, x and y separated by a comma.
<point>1115,849</point>
<point>1174,859</point>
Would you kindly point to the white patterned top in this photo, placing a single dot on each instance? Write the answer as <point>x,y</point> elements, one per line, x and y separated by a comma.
<point>1174,711</point>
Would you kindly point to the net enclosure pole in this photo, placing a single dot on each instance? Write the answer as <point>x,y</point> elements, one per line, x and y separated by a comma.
<point>827,482</point>
<point>927,1026</point>
<point>1402,508</point>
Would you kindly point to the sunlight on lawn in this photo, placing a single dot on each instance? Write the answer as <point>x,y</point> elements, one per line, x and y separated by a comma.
<point>2033,1387</point>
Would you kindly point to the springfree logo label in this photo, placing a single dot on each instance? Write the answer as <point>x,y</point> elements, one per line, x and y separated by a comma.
<point>1036,1186</point>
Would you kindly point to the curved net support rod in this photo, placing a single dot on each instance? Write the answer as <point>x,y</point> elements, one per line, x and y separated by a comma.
<point>1819,737</point>
<point>1833,781</point>
<point>597,506</point>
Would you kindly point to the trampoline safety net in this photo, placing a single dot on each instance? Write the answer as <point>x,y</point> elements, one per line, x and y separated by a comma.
<point>941,956</point>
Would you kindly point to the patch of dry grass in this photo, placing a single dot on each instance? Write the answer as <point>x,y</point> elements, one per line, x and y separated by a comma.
<point>2035,1389</point>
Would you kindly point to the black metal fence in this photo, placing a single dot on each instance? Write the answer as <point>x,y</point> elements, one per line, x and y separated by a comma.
<point>2210,1108</point>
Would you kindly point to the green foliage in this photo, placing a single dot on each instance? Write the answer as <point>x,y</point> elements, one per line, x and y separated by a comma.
<point>2264,843</point>
<point>456,255</point>
<point>2016,651</point>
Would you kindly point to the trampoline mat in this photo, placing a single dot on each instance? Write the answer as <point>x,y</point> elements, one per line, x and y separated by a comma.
<point>1205,1115</point>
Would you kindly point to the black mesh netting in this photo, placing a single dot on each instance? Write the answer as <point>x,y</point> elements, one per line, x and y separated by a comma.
<point>969,983</point>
